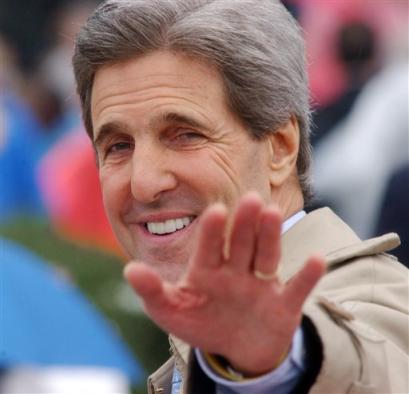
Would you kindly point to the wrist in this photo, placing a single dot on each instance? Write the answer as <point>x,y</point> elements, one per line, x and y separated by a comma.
<point>225,369</point>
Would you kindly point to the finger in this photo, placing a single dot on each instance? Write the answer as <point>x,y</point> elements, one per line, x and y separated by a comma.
<point>158,294</point>
<point>300,285</point>
<point>268,247</point>
<point>209,251</point>
<point>244,232</point>
<point>145,281</point>
<point>162,301</point>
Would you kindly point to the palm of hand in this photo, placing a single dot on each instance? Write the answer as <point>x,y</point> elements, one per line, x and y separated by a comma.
<point>219,306</point>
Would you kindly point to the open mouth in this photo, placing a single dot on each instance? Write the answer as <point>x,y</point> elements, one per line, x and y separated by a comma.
<point>169,226</point>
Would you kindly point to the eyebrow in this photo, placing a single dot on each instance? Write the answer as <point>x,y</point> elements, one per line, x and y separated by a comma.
<point>167,117</point>
<point>174,117</point>
<point>110,128</point>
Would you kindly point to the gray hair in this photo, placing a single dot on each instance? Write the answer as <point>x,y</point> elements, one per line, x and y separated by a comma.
<point>256,45</point>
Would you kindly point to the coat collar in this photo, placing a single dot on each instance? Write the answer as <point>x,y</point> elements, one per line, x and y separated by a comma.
<point>323,232</point>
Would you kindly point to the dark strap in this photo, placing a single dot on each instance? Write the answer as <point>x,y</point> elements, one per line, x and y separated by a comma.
<point>198,382</point>
<point>313,357</point>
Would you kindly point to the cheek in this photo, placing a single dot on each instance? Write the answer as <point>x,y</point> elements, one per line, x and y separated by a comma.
<point>258,180</point>
<point>114,188</point>
<point>244,168</point>
<point>223,167</point>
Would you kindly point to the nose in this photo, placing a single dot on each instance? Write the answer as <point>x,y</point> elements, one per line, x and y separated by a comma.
<point>151,174</point>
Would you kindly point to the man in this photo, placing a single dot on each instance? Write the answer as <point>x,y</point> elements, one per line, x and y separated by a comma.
<point>199,114</point>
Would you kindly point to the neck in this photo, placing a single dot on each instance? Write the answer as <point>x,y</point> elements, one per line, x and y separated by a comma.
<point>289,199</point>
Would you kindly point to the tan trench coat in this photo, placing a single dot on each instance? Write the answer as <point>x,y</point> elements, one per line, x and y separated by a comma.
<point>359,311</point>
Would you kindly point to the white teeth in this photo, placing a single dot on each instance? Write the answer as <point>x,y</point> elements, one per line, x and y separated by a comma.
<point>160,228</point>
<point>179,224</point>
<point>169,226</point>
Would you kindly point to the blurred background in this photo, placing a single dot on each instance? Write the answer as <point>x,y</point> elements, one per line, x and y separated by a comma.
<point>51,214</point>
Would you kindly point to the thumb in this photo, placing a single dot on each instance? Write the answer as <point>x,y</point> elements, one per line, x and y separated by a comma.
<point>144,280</point>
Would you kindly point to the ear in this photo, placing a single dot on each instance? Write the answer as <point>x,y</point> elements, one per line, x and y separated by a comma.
<point>284,144</point>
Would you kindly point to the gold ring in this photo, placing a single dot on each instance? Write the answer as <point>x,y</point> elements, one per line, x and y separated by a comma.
<point>263,276</point>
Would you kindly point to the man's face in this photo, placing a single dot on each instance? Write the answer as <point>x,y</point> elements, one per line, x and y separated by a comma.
<point>168,147</point>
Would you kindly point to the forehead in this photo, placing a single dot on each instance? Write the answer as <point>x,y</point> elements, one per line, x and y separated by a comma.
<point>160,74</point>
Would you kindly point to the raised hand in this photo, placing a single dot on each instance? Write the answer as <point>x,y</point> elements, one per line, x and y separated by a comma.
<point>230,301</point>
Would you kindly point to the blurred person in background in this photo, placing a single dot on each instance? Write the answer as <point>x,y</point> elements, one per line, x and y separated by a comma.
<point>20,132</point>
<point>40,30</point>
<point>54,174</point>
<point>54,69</point>
<point>30,110</point>
<point>356,46</point>
<point>191,105</point>
<point>322,22</point>
<point>67,174</point>
<point>355,161</point>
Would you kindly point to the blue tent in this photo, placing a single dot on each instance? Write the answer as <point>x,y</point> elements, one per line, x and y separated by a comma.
<point>45,321</point>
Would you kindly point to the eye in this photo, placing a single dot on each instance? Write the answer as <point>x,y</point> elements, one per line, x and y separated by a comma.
<point>188,136</point>
<point>118,148</point>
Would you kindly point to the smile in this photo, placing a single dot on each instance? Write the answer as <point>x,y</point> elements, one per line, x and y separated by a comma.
<point>169,226</point>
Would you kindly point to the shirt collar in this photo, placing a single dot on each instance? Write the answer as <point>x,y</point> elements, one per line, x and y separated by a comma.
<point>291,221</point>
